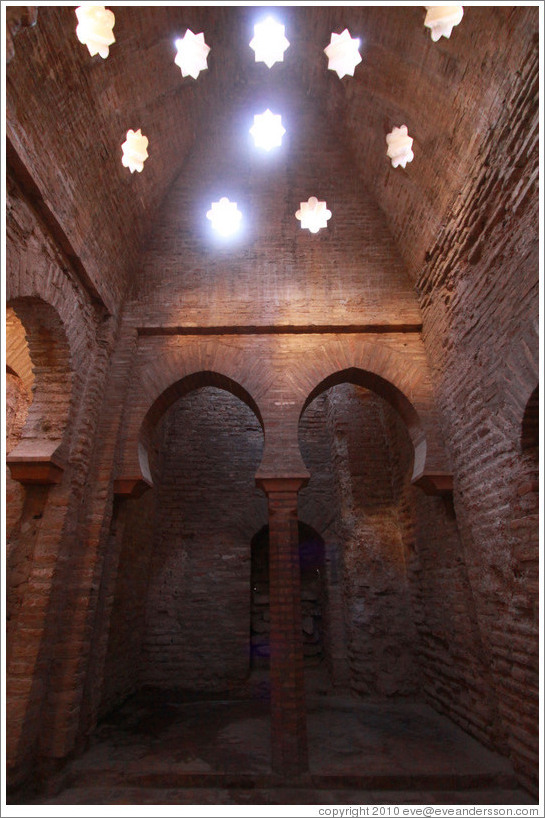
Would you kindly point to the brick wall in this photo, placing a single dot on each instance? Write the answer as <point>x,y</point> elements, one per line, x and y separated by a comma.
<point>62,332</point>
<point>273,272</point>
<point>123,663</point>
<point>18,400</point>
<point>454,669</point>
<point>479,295</point>
<point>368,621</point>
<point>449,590</point>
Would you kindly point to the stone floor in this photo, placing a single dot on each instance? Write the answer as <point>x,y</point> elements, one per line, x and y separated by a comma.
<point>173,749</point>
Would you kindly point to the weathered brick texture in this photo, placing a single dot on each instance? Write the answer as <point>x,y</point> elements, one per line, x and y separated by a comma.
<point>480,329</point>
<point>60,326</point>
<point>207,510</point>
<point>123,663</point>
<point>370,633</point>
<point>18,399</point>
<point>275,274</point>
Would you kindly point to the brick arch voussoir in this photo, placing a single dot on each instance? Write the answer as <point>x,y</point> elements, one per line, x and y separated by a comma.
<point>178,389</point>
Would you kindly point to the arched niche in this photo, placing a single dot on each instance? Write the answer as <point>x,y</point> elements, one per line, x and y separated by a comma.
<point>203,455</point>
<point>42,361</point>
<point>360,455</point>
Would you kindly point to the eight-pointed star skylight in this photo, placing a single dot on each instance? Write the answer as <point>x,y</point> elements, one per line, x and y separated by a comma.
<point>267,130</point>
<point>135,151</point>
<point>225,216</point>
<point>399,146</point>
<point>192,54</point>
<point>342,53</point>
<point>269,42</point>
<point>442,19</point>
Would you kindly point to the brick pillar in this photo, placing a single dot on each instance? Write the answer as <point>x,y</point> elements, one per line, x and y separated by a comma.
<point>288,713</point>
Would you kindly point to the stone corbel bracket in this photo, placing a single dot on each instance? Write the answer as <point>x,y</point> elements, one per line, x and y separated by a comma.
<point>131,486</point>
<point>437,484</point>
<point>36,462</point>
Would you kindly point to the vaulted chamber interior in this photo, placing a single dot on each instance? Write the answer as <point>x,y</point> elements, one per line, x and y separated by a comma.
<point>272,501</point>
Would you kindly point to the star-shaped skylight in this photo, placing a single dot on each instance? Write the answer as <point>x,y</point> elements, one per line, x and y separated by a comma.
<point>269,42</point>
<point>135,151</point>
<point>225,216</point>
<point>399,146</point>
<point>442,19</point>
<point>95,29</point>
<point>342,53</point>
<point>267,130</point>
<point>313,214</point>
<point>192,54</point>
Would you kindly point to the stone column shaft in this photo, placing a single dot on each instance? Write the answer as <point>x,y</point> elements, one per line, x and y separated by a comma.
<point>288,712</point>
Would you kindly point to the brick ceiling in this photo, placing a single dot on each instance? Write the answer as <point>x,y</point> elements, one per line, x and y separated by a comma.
<point>67,117</point>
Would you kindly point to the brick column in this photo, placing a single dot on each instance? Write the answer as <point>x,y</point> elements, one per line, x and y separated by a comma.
<point>288,713</point>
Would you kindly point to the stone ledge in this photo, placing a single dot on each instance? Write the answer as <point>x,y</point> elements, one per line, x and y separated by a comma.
<point>37,469</point>
<point>438,484</point>
<point>131,486</point>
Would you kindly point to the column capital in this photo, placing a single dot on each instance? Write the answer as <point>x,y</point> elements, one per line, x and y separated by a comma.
<point>282,485</point>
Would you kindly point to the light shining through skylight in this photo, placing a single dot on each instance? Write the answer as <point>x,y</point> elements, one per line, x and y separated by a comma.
<point>267,130</point>
<point>269,42</point>
<point>342,54</point>
<point>192,54</point>
<point>313,215</point>
<point>225,216</point>
<point>95,29</point>
<point>442,19</point>
<point>399,146</point>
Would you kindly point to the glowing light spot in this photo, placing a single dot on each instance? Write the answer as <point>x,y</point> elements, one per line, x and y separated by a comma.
<point>267,130</point>
<point>95,29</point>
<point>225,216</point>
<point>399,146</point>
<point>313,214</point>
<point>342,53</point>
<point>192,54</point>
<point>442,19</point>
<point>269,42</point>
<point>135,151</point>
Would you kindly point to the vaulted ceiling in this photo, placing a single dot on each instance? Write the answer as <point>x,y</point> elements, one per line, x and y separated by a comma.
<point>68,113</point>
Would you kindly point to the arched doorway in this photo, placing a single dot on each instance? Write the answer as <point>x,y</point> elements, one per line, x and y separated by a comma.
<point>182,603</point>
<point>360,457</point>
<point>399,599</point>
